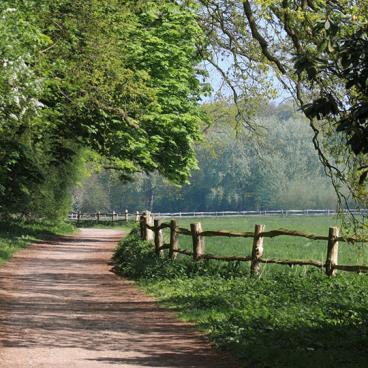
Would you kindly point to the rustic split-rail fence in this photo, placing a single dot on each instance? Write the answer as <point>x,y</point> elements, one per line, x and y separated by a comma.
<point>151,229</point>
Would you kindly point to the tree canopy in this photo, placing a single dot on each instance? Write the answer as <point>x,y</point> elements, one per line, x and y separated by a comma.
<point>119,78</point>
<point>316,50</point>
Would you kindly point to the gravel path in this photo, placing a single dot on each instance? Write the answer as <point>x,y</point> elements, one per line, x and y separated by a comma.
<point>61,306</point>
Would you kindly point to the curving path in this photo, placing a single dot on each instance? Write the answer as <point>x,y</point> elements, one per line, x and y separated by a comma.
<point>61,306</point>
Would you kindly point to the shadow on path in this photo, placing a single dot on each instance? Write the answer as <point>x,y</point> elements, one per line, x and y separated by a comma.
<point>61,306</point>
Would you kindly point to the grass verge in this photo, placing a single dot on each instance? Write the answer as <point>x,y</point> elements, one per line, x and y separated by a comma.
<point>117,224</point>
<point>16,236</point>
<point>287,318</point>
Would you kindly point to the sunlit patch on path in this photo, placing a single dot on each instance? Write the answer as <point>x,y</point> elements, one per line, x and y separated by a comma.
<point>61,306</point>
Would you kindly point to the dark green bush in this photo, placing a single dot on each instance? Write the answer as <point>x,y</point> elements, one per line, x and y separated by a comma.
<point>136,258</point>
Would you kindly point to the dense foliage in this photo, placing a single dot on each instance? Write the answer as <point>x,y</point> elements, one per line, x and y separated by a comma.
<point>237,172</point>
<point>118,78</point>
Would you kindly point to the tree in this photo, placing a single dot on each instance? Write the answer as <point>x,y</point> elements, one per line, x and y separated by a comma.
<point>279,171</point>
<point>341,57</point>
<point>136,97</point>
<point>119,78</point>
<point>314,49</point>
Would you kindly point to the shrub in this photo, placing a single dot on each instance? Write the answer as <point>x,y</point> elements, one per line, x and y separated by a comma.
<point>136,258</point>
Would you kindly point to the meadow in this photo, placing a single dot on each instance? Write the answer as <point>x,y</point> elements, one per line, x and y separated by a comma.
<point>283,247</point>
<point>287,317</point>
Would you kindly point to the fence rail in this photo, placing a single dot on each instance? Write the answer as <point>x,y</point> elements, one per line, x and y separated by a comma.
<point>134,216</point>
<point>151,229</point>
<point>104,216</point>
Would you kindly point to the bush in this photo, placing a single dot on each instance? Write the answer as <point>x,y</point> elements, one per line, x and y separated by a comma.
<point>136,259</point>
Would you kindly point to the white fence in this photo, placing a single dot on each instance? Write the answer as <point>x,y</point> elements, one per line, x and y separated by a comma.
<point>134,216</point>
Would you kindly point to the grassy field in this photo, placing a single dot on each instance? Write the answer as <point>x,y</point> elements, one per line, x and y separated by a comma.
<point>288,317</point>
<point>283,247</point>
<point>16,236</point>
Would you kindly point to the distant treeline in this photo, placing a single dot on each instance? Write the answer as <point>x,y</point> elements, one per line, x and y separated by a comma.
<point>237,171</point>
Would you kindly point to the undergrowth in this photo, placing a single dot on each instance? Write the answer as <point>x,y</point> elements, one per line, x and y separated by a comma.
<point>18,235</point>
<point>120,224</point>
<point>287,318</point>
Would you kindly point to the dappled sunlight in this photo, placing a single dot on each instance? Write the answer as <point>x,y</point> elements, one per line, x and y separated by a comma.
<point>62,297</point>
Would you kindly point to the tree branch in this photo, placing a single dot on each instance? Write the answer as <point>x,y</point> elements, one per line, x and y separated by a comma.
<point>261,40</point>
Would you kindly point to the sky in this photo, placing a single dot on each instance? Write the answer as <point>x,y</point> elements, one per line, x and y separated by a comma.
<point>216,81</point>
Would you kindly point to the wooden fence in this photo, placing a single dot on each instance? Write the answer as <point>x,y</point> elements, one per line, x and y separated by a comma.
<point>134,216</point>
<point>152,230</point>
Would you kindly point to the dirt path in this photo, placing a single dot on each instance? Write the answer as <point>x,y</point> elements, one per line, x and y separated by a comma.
<point>60,306</point>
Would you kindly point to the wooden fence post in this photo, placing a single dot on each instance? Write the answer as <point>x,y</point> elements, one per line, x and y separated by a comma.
<point>126,215</point>
<point>78,217</point>
<point>98,216</point>
<point>112,216</point>
<point>174,240</point>
<point>137,217</point>
<point>198,241</point>
<point>142,226</point>
<point>148,234</point>
<point>332,251</point>
<point>257,250</point>
<point>159,238</point>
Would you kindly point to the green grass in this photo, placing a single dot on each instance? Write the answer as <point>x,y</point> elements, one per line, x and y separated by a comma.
<point>117,224</point>
<point>288,317</point>
<point>279,320</point>
<point>16,236</point>
<point>283,247</point>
